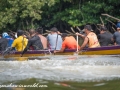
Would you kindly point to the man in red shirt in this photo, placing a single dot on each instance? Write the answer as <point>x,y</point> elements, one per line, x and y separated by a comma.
<point>69,42</point>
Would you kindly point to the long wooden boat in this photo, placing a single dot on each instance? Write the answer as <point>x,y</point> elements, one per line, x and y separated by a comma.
<point>106,50</point>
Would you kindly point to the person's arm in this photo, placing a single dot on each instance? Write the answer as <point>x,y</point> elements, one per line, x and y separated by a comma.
<point>61,50</point>
<point>81,35</point>
<point>84,43</point>
<point>7,51</point>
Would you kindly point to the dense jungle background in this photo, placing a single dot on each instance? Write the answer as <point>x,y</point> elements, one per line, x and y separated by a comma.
<point>63,14</point>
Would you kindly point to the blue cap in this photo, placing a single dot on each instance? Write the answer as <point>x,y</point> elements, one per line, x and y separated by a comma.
<point>118,25</point>
<point>5,34</point>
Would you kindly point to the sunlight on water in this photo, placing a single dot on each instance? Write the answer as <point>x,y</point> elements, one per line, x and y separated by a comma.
<point>62,68</point>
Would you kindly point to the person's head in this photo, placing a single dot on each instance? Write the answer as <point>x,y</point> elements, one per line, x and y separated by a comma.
<point>39,30</point>
<point>87,29</point>
<point>32,31</point>
<point>20,33</point>
<point>54,30</point>
<point>63,35</point>
<point>5,34</point>
<point>103,29</point>
<point>118,26</point>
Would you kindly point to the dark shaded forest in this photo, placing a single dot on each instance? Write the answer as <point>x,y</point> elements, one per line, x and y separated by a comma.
<point>63,14</point>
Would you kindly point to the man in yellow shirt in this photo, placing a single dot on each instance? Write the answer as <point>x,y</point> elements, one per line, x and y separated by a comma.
<point>20,43</point>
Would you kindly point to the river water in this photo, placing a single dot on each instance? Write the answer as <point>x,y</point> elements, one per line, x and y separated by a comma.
<point>62,68</point>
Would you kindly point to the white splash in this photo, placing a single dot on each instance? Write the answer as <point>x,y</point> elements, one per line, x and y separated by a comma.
<point>62,68</point>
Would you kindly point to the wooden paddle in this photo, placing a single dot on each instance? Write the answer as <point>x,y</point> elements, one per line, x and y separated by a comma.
<point>77,42</point>
<point>76,37</point>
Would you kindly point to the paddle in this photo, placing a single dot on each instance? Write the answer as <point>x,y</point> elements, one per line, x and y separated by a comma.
<point>77,42</point>
<point>7,51</point>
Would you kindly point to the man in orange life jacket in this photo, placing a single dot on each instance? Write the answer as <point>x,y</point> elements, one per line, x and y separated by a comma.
<point>90,38</point>
<point>69,42</point>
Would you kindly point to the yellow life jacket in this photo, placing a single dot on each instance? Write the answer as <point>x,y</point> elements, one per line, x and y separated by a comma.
<point>93,41</point>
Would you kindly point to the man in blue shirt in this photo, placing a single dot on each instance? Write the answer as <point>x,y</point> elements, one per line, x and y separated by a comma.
<point>116,35</point>
<point>54,40</point>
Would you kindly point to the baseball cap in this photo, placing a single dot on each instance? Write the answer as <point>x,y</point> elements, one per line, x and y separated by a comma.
<point>88,27</point>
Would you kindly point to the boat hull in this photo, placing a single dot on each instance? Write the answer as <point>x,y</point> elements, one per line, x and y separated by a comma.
<point>108,50</point>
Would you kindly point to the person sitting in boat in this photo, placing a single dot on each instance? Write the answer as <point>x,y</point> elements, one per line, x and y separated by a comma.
<point>43,39</point>
<point>105,37</point>
<point>34,42</point>
<point>69,42</point>
<point>90,39</point>
<point>3,43</point>
<point>116,35</point>
<point>10,39</point>
<point>20,42</point>
<point>54,39</point>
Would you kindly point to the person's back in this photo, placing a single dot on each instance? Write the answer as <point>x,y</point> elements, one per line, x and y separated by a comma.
<point>116,35</point>
<point>35,42</point>
<point>105,37</point>
<point>93,41</point>
<point>3,43</point>
<point>43,39</point>
<point>70,43</point>
<point>55,40</point>
<point>20,43</point>
<point>10,39</point>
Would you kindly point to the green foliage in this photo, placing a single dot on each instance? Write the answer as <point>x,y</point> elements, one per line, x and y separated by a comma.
<point>21,13</point>
<point>26,14</point>
<point>79,12</point>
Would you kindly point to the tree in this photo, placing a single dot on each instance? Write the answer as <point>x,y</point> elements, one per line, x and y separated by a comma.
<point>21,14</point>
<point>26,14</point>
